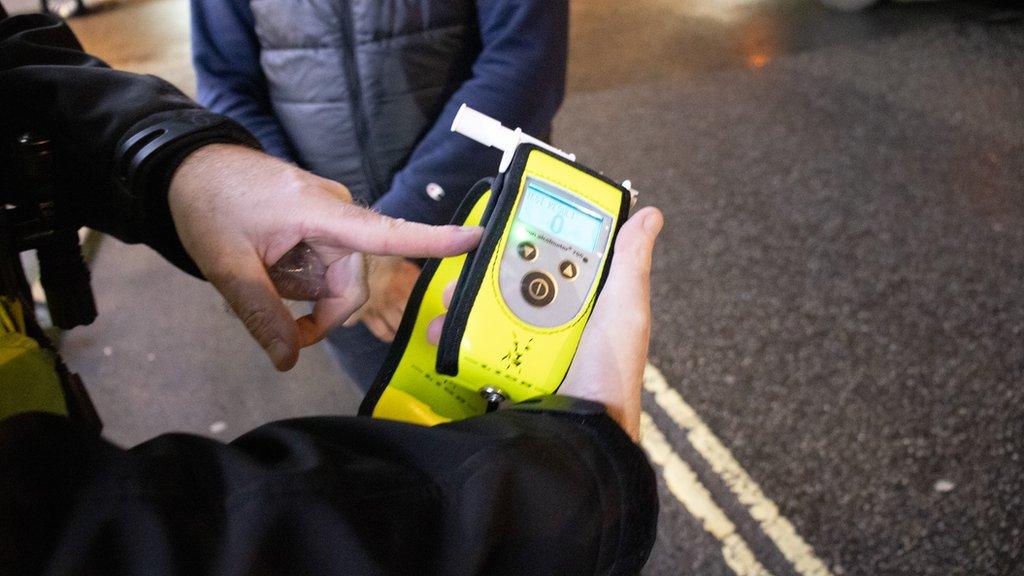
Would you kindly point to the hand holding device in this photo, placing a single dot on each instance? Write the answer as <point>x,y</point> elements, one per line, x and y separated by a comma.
<point>609,365</point>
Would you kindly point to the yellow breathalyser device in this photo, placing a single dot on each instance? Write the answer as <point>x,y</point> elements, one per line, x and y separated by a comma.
<point>522,298</point>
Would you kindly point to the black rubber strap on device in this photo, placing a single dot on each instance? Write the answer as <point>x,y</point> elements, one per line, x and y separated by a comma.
<point>468,286</point>
<point>412,309</point>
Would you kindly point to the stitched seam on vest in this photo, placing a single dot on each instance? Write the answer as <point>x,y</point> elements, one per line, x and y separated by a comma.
<point>382,100</point>
<point>426,34</point>
<point>429,32</point>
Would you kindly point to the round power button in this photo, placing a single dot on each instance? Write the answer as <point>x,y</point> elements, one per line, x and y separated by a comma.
<point>538,289</point>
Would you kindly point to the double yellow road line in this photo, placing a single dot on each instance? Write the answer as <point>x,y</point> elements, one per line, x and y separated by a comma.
<point>686,487</point>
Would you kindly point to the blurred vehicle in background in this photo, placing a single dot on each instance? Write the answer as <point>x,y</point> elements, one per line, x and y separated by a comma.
<point>62,8</point>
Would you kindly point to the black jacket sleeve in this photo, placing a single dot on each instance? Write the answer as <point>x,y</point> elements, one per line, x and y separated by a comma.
<point>49,85</point>
<point>513,492</point>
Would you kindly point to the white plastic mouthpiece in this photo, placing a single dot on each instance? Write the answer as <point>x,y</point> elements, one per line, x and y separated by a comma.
<point>484,129</point>
<point>490,132</point>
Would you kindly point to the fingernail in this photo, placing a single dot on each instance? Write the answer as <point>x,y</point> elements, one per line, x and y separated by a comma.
<point>468,230</point>
<point>278,352</point>
<point>652,223</point>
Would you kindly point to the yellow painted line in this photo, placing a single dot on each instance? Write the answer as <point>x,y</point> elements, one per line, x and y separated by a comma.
<point>777,527</point>
<point>683,483</point>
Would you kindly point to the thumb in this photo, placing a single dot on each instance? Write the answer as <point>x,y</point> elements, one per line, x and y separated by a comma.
<point>624,304</point>
<point>609,363</point>
<point>252,296</point>
<point>630,272</point>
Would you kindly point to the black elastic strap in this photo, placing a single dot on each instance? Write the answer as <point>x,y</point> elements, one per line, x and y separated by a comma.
<point>499,210</point>
<point>401,341</point>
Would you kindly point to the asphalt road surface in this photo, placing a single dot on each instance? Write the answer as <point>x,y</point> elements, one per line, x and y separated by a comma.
<point>838,348</point>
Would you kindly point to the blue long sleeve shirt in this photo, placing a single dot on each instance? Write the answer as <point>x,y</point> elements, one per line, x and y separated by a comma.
<point>518,77</point>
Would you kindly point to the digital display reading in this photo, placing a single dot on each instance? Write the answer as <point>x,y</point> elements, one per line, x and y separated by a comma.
<point>561,218</point>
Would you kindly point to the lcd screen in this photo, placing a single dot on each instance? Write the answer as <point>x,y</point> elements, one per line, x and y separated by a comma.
<point>544,211</point>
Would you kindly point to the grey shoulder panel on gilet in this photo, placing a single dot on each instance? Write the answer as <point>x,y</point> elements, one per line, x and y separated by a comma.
<point>356,83</point>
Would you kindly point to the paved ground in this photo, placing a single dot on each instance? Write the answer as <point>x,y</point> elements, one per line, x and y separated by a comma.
<point>840,292</point>
<point>839,295</point>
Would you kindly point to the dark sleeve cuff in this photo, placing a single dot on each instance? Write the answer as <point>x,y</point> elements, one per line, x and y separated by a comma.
<point>626,482</point>
<point>631,475</point>
<point>147,158</point>
<point>559,403</point>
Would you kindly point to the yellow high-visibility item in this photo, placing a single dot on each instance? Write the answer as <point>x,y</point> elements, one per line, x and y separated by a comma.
<point>520,310</point>
<point>522,298</point>
<point>408,387</point>
<point>28,374</point>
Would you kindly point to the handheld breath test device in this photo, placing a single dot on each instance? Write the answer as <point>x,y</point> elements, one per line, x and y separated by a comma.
<point>522,298</point>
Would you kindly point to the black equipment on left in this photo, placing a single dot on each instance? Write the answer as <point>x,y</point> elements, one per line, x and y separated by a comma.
<point>31,219</point>
<point>35,221</point>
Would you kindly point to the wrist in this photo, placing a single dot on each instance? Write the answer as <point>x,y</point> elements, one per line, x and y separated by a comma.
<point>152,150</point>
<point>200,165</point>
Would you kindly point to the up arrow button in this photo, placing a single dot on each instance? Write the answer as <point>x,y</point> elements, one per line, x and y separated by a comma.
<point>568,270</point>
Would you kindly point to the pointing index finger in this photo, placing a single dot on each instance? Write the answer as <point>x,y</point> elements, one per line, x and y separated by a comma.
<point>372,233</point>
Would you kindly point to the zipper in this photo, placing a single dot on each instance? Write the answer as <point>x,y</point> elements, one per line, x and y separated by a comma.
<point>359,117</point>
